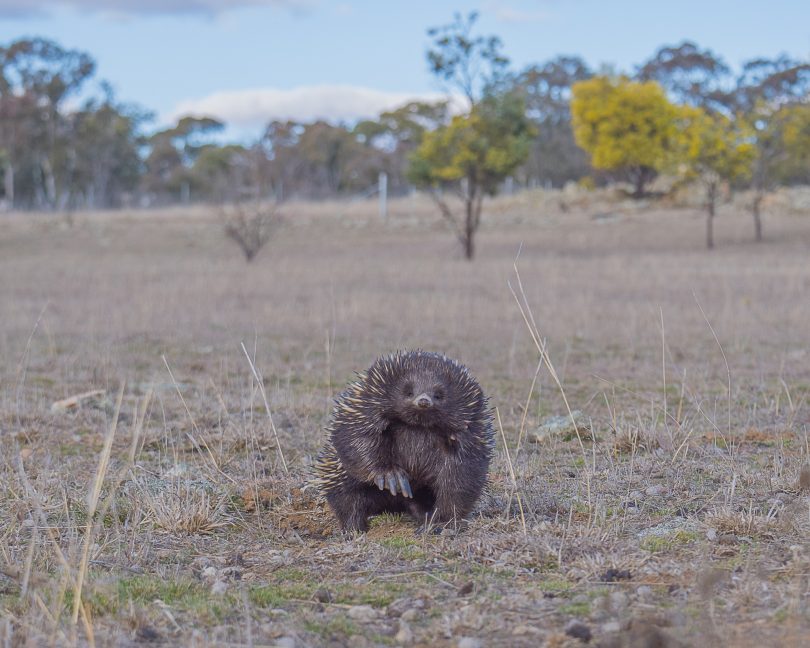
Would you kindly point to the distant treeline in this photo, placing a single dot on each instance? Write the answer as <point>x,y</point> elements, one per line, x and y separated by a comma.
<point>59,153</point>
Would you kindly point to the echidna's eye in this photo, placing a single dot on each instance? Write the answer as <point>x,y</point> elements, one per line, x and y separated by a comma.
<point>438,394</point>
<point>408,390</point>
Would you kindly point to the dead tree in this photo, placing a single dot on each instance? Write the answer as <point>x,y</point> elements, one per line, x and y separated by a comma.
<point>250,225</point>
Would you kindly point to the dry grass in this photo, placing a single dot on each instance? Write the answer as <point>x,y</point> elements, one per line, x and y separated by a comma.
<point>169,516</point>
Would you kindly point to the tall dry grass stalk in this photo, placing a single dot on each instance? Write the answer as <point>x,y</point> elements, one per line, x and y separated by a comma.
<point>540,344</point>
<point>260,385</point>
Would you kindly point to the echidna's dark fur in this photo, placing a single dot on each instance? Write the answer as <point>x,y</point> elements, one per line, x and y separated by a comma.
<point>433,459</point>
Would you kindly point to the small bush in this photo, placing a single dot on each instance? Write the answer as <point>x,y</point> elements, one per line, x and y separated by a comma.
<point>250,225</point>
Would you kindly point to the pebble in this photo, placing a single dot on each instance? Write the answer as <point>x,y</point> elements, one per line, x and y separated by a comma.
<point>285,642</point>
<point>362,613</point>
<point>219,587</point>
<point>523,630</point>
<point>658,489</point>
<point>323,596</point>
<point>410,615</point>
<point>611,627</point>
<point>617,602</point>
<point>579,630</point>
<point>636,495</point>
<point>404,635</point>
<point>470,642</point>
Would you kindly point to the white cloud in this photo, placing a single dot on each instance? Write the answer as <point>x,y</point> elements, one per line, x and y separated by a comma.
<point>21,8</point>
<point>255,107</point>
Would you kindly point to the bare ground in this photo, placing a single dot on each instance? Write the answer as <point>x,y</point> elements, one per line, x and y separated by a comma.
<point>680,518</point>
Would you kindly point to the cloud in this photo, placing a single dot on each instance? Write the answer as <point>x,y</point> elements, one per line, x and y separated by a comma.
<point>255,107</point>
<point>24,8</point>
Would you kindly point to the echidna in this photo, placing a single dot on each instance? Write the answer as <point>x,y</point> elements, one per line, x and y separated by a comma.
<point>413,434</point>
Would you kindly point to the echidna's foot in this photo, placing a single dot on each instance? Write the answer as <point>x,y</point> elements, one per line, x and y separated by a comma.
<point>428,529</point>
<point>395,480</point>
<point>449,528</point>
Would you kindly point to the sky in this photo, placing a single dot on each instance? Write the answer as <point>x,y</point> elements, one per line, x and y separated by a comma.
<point>249,61</point>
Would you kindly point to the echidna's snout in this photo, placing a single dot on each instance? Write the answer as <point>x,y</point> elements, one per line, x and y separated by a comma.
<point>423,401</point>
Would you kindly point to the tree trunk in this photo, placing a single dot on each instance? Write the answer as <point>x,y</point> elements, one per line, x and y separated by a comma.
<point>711,199</point>
<point>757,217</point>
<point>469,227</point>
<point>639,177</point>
<point>8,185</point>
<point>48,183</point>
<point>638,190</point>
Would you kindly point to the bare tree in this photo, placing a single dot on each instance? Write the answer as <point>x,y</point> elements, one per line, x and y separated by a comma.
<point>250,225</point>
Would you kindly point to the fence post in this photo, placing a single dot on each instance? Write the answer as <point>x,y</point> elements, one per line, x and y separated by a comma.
<point>382,189</point>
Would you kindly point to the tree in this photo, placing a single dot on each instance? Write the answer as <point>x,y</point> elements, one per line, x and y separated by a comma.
<point>554,156</point>
<point>794,123</point>
<point>774,83</point>
<point>627,127</point>
<point>250,225</point>
<point>173,152</point>
<point>781,141</point>
<point>470,157</point>
<point>36,76</point>
<point>470,64</point>
<point>690,75</point>
<point>395,134</point>
<point>716,149</point>
<point>766,94</point>
<point>105,159</point>
<point>224,173</point>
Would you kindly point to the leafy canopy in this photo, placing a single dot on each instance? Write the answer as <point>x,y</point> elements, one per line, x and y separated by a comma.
<point>715,147</point>
<point>483,147</point>
<point>624,124</point>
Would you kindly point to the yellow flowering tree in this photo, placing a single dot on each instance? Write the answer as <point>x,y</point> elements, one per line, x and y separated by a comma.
<point>715,149</point>
<point>627,127</point>
<point>470,157</point>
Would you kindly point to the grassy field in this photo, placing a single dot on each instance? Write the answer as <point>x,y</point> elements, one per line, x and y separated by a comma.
<point>680,517</point>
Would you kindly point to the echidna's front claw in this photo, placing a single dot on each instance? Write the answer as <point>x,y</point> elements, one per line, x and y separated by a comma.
<point>392,483</point>
<point>395,482</point>
<point>404,486</point>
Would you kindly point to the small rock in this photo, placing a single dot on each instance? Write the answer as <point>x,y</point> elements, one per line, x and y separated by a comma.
<point>611,627</point>
<point>470,642</point>
<point>209,573</point>
<point>658,489</point>
<point>285,642</point>
<point>644,593</point>
<point>711,535</point>
<point>523,630</point>
<point>323,596</point>
<point>579,630</point>
<point>219,587</point>
<point>410,615</point>
<point>636,495</point>
<point>362,613</point>
<point>563,426</point>
<point>404,635</point>
<point>617,601</point>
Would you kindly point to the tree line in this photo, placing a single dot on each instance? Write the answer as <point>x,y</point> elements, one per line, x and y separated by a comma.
<point>67,142</point>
